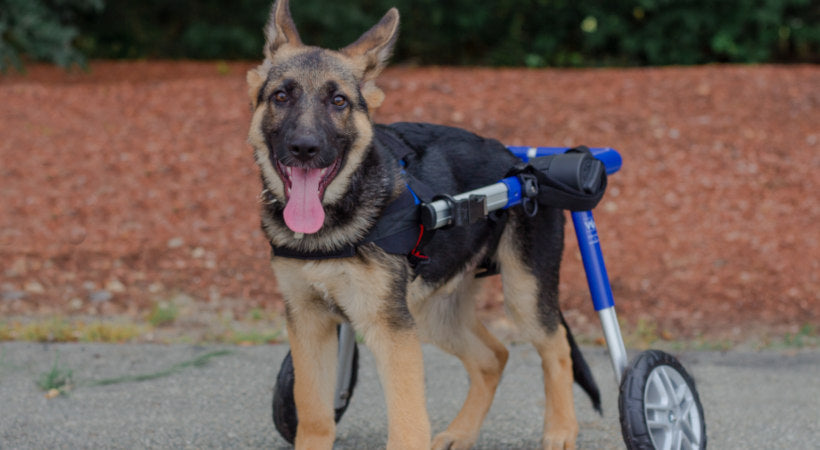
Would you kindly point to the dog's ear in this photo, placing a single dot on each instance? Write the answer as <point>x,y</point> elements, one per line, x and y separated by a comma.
<point>255,81</point>
<point>373,96</point>
<point>373,49</point>
<point>280,29</point>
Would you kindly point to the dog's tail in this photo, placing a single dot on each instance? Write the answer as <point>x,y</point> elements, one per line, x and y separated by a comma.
<point>581,372</point>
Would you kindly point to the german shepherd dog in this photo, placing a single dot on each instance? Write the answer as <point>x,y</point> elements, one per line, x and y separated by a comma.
<point>327,177</point>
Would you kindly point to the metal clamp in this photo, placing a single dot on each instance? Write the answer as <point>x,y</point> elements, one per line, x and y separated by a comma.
<point>529,193</point>
<point>464,211</point>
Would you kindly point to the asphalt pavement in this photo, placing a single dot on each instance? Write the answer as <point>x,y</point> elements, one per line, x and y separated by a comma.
<point>191,397</point>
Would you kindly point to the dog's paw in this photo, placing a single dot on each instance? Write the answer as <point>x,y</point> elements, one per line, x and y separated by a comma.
<point>559,439</point>
<point>452,441</point>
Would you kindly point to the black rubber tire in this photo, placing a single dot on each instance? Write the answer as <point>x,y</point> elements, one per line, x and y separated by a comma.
<point>284,406</point>
<point>631,400</point>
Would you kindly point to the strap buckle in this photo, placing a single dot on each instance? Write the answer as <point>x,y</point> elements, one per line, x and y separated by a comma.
<point>464,211</point>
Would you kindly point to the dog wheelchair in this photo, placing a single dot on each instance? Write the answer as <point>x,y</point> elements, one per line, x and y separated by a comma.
<point>658,403</point>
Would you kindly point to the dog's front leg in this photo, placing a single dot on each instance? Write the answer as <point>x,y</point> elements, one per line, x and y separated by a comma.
<point>313,346</point>
<point>401,371</point>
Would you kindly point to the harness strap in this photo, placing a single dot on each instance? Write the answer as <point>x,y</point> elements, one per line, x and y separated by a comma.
<point>401,151</point>
<point>347,251</point>
<point>397,231</point>
<point>497,221</point>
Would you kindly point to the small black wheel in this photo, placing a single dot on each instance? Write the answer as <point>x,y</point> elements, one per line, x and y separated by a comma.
<point>284,406</point>
<point>659,405</point>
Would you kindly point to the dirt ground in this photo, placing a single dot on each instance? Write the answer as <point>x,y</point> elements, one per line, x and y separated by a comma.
<point>133,184</point>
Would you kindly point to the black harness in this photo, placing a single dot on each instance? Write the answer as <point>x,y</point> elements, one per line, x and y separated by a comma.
<point>400,230</point>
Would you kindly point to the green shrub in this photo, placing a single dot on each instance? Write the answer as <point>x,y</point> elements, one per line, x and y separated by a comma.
<point>41,30</point>
<point>469,32</point>
<point>163,313</point>
<point>659,32</point>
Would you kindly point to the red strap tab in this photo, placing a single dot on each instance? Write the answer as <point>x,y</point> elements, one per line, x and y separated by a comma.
<point>415,252</point>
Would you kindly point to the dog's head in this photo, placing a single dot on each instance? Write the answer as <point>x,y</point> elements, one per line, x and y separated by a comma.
<point>311,125</point>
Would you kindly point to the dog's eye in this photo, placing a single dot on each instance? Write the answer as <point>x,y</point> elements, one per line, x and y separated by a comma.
<point>280,96</point>
<point>339,101</point>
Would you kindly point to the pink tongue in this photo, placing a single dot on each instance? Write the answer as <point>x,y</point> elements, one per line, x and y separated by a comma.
<point>304,213</point>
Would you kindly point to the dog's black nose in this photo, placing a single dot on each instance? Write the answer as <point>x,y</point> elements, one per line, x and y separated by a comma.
<point>304,148</point>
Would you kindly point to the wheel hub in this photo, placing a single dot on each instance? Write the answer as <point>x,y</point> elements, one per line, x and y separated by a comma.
<point>668,410</point>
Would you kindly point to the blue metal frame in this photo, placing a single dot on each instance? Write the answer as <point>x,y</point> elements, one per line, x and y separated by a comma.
<point>590,246</point>
<point>513,191</point>
<point>609,156</point>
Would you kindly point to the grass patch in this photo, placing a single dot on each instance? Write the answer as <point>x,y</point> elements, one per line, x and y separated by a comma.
<point>806,336</point>
<point>109,333</point>
<point>703,344</point>
<point>52,330</point>
<point>5,332</point>
<point>199,361</point>
<point>163,313</point>
<point>57,381</point>
<point>253,337</point>
<point>256,314</point>
<point>58,329</point>
<point>121,330</point>
<point>644,334</point>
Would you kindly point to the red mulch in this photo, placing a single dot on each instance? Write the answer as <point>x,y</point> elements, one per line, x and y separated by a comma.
<point>133,182</point>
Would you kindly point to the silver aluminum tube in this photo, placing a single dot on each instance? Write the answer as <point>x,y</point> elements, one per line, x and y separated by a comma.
<point>496,199</point>
<point>614,341</point>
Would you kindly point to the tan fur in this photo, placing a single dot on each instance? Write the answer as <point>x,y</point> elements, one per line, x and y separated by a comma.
<point>319,294</point>
<point>484,370</point>
<point>313,389</point>
<point>280,30</point>
<point>339,185</point>
<point>560,424</point>
<point>314,288</point>
<point>255,80</point>
<point>371,51</point>
<point>401,371</point>
<point>447,318</point>
<point>520,301</point>
<point>372,95</point>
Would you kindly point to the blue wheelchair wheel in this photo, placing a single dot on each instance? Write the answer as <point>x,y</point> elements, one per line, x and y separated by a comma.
<point>284,406</point>
<point>659,405</point>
